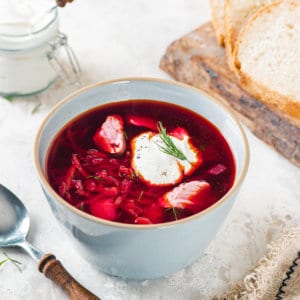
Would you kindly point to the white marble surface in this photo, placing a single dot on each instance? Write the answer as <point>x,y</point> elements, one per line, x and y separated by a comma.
<point>127,38</point>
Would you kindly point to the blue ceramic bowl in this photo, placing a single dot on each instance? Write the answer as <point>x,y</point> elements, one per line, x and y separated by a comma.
<point>141,251</point>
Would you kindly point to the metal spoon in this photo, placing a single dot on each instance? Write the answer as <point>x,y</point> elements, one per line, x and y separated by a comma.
<point>14,227</point>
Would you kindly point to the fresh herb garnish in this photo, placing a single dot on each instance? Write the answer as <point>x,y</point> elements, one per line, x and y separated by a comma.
<point>169,146</point>
<point>8,98</point>
<point>175,212</point>
<point>132,175</point>
<point>95,177</point>
<point>81,206</point>
<point>36,108</point>
<point>13,261</point>
<point>125,135</point>
<point>140,196</point>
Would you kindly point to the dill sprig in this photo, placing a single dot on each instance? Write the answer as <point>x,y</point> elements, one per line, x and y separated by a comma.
<point>8,98</point>
<point>175,212</point>
<point>140,195</point>
<point>169,146</point>
<point>36,108</point>
<point>13,261</point>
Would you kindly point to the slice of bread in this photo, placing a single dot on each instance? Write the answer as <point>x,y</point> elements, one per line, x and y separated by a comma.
<point>217,16</point>
<point>267,56</point>
<point>236,15</point>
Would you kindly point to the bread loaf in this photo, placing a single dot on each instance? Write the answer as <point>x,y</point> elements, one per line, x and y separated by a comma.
<point>236,15</point>
<point>217,16</point>
<point>267,56</point>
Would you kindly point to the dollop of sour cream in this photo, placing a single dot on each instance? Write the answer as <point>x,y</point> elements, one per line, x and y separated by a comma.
<point>156,167</point>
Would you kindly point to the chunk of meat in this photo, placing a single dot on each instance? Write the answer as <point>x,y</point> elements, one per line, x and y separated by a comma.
<point>110,136</point>
<point>187,194</point>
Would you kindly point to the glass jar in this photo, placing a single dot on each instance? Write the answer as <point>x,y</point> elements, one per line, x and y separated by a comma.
<point>29,62</point>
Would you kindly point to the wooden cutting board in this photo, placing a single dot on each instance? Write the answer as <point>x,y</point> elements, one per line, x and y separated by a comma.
<point>198,60</point>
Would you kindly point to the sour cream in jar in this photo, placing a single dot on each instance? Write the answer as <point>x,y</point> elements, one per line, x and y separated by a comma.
<point>30,44</point>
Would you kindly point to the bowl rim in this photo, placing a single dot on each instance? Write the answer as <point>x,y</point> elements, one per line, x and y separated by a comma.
<point>54,195</point>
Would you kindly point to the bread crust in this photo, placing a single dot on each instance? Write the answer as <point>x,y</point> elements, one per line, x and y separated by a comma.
<point>234,24</point>
<point>229,35</point>
<point>270,97</point>
<point>217,16</point>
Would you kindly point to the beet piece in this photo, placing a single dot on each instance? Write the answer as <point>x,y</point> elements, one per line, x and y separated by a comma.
<point>110,136</point>
<point>131,208</point>
<point>64,187</point>
<point>154,212</point>
<point>142,220</point>
<point>147,122</point>
<point>79,188</point>
<point>104,177</point>
<point>126,184</point>
<point>179,133</point>
<point>217,170</point>
<point>77,164</point>
<point>105,209</point>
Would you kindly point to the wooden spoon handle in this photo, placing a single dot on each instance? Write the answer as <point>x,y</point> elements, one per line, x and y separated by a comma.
<point>55,271</point>
<point>62,3</point>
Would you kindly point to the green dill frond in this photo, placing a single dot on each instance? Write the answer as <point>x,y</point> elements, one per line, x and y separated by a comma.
<point>169,146</point>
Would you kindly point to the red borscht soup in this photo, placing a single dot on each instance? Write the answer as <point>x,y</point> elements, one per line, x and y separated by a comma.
<point>140,162</point>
